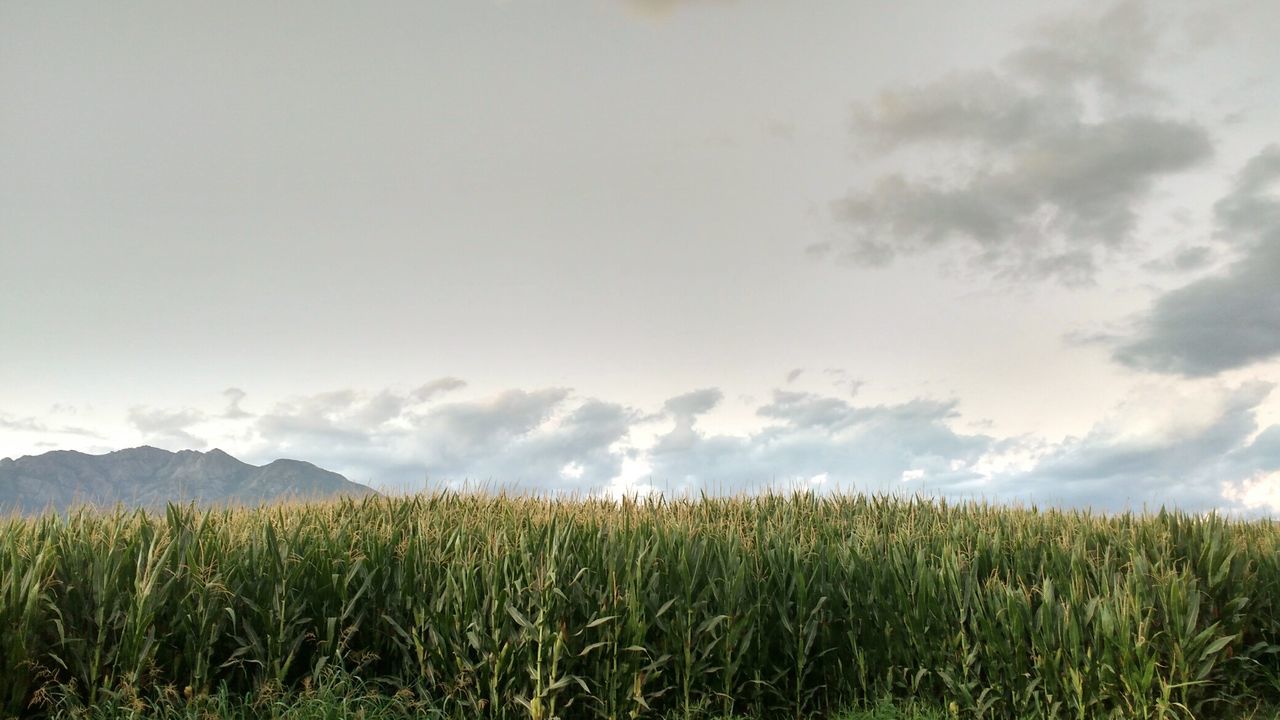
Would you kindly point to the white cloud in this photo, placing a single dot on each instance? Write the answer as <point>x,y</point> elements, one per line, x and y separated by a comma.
<point>1259,493</point>
<point>810,435</point>
<point>540,439</point>
<point>1174,451</point>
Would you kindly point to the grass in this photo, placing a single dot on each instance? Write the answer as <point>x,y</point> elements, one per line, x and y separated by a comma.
<point>512,607</point>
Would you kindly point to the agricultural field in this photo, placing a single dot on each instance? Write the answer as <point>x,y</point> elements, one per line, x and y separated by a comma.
<point>471,606</point>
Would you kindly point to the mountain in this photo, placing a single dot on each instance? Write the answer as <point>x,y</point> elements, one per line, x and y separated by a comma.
<point>150,477</point>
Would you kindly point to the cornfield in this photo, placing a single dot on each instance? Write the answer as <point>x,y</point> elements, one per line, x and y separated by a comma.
<point>772,606</point>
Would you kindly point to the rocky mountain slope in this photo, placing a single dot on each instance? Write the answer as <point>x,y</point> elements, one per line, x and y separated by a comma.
<point>150,477</point>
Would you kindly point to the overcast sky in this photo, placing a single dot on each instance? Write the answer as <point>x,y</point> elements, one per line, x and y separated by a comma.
<point>1012,251</point>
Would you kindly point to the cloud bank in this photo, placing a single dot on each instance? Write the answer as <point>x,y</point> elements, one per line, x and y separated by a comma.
<point>1198,449</point>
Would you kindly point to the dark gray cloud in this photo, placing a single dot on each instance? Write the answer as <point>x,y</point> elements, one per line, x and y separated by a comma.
<point>1215,324</point>
<point>168,427</point>
<point>1253,205</point>
<point>1047,159</point>
<point>1224,321</point>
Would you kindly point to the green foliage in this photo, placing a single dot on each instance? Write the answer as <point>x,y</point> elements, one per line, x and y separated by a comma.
<point>770,607</point>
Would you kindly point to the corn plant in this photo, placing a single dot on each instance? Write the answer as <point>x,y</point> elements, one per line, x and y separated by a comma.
<point>505,607</point>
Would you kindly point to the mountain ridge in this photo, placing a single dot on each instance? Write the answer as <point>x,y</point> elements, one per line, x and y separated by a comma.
<point>147,476</point>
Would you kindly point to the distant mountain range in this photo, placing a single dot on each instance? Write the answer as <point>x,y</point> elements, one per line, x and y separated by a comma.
<point>150,477</point>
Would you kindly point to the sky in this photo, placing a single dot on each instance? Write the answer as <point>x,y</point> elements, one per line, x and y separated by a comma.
<point>1014,252</point>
